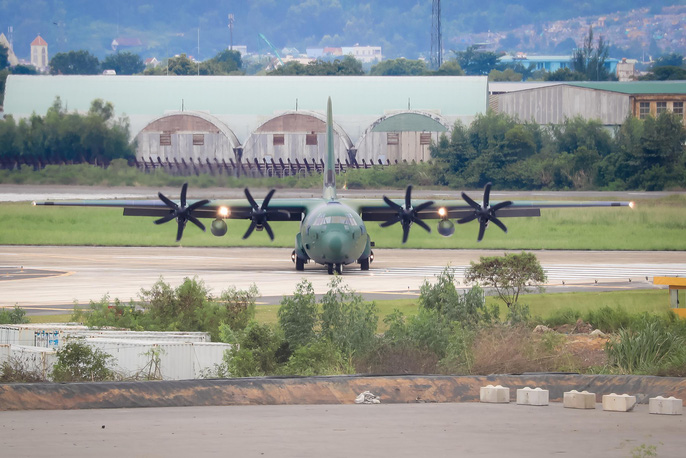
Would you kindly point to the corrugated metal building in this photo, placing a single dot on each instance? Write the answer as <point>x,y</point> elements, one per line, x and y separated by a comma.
<point>609,102</point>
<point>215,117</point>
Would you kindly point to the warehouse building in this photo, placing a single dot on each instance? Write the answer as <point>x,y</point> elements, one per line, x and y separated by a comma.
<point>608,102</point>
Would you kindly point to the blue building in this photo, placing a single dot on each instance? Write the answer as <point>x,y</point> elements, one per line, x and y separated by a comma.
<point>551,63</point>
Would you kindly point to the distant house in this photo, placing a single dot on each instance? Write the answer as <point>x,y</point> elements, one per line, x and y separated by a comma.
<point>151,62</point>
<point>126,42</point>
<point>39,54</point>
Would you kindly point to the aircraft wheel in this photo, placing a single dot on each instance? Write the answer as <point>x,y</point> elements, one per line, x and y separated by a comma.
<point>364,264</point>
<point>339,269</point>
<point>299,264</point>
<point>329,268</point>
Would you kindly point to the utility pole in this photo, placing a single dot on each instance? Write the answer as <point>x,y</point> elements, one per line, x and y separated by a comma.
<point>230,32</point>
<point>436,35</point>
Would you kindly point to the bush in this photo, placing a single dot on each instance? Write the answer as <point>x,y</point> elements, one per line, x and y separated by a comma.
<point>317,358</point>
<point>609,319</point>
<point>645,350</point>
<point>17,315</point>
<point>298,315</point>
<point>16,371</point>
<point>78,362</point>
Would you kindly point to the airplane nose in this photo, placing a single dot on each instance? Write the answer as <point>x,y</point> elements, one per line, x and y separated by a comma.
<point>334,244</point>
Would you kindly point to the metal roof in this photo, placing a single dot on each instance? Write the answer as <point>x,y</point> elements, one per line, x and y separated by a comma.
<point>409,122</point>
<point>636,87</point>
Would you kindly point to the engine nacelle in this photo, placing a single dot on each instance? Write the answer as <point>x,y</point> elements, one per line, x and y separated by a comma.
<point>446,227</point>
<point>218,227</point>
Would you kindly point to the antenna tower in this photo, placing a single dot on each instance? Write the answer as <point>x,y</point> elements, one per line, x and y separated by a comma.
<point>436,36</point>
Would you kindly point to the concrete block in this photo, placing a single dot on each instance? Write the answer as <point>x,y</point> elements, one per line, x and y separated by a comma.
<point>618,402</point>
<point>666,406</point>
<point>495,394</point>
<point>579,400</point>
<point>532,396</point>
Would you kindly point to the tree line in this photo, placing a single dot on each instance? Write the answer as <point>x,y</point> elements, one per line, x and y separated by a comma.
<point>577,154</point>
<point>62,137</point>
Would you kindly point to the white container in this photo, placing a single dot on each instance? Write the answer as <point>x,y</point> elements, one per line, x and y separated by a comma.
<point>31,359</point>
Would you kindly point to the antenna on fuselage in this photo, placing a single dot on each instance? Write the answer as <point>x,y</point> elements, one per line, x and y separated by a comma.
<point>330,162</point>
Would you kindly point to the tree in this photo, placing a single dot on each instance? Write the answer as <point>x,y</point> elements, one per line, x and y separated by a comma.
<point>181,65</point>
<point>298,315</point>
<point>476,62</point>
<point>590,61</point>
<point>228,61</point>
<point>450,67</point>
<point>506,75</point>
<point>347,320</point>
<point>399,67</point>
<point>564,74</point>
<point>4,57</point>
<point>665,73</point>
<point>74,63</point>
<point>509,275</point>
<point>124,63</point>
<point>669,60</point>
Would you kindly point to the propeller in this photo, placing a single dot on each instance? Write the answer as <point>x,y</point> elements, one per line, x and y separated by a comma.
<point>407,214</point>
<point>261,214</point>
<point>484,213</point>
<point>181,213</point>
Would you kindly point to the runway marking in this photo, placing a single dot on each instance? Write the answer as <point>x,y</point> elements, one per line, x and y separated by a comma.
<point>19,273</point>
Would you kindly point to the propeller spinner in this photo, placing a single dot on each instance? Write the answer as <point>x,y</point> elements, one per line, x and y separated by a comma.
<point>261,214</point>
<point>406,215</point>
<point>181,213</point>
<point>484,213</point>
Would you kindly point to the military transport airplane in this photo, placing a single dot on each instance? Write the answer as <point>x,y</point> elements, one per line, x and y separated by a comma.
<point>332,230</point>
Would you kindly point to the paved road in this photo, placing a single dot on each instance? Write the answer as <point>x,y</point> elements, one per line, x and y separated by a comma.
<point>398,430</point>
<point>50,279</point>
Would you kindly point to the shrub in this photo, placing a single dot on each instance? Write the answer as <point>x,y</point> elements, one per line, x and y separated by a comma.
<point>17,315</point>
<point>16,371</point>
<point>609,319</point>
<point>298,315</point>
<point>78,362</point>
<point>645,350</point>
<point>317,358</point>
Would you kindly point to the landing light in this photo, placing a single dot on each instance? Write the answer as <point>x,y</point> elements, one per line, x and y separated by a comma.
<point>632,205</point>
<point>223,212</point>
<point>442,212</point>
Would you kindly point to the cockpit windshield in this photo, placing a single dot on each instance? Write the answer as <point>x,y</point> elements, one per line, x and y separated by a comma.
<point>348,220</point>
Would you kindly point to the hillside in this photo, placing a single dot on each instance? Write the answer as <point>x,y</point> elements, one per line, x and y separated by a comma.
<point>402,27</point>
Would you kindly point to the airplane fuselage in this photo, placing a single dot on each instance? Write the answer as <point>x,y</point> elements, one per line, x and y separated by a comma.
<point>333,234</point>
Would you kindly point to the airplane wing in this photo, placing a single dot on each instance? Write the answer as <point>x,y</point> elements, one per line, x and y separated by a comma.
<point>405,212</point>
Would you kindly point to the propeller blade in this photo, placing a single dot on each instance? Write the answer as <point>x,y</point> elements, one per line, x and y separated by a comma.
<point>197,205</point>
<point>406,232</point>
<point>487,194</point>
<point>482,229</point>
<point>423,206</point>
<point>167,201</point>
<point>250,229</point>
<point>184,190</point>
<point>252,202</point>
<point>390,222</point>
<point>165,219</point>
<point>500,205</point>
<point>179,230</point>
<point>468,219</point>
<point>268,228</point>
<point>408,197</point>
<point>265,202</point>
<point>197,222</point>
<point>499,223</point>
<point>391,204</point>
<point>422,224</point>
<point>471,201</point>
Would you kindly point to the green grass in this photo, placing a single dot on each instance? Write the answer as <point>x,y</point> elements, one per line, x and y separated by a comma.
<point>654,225</point>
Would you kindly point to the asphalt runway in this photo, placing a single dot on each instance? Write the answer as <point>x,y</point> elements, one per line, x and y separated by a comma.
<point>381,430</point>
<point>49,280</point>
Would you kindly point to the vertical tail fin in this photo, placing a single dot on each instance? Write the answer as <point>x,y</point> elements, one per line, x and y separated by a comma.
<point>330,162</point>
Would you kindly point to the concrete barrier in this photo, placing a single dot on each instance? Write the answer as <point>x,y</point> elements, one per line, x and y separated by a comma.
<point>618,402</point>
<point>532,397</point>
<point>494,394</point>
<point>317,390</point>
<point>665,406</point>
<point>575,400</point>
